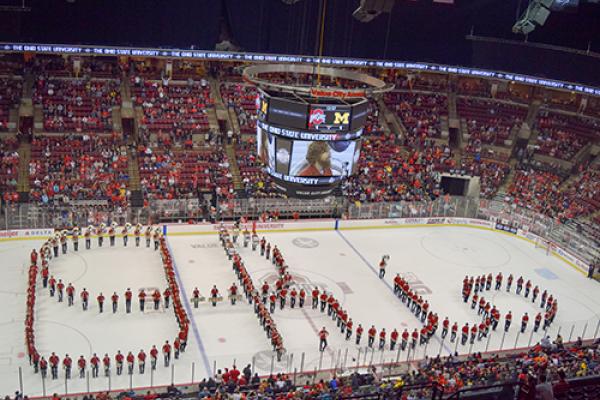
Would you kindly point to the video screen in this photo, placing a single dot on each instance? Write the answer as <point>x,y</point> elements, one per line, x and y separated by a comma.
<point>320,159</point>
<point>359,115</point>
<point>290,114</point>
<point>265,147</point>
<point>329,117</point>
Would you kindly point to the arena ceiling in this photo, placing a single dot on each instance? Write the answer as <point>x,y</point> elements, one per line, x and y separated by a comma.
<point>418,30</point>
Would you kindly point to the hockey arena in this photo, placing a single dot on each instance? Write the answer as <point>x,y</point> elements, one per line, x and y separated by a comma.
<point>338,257</point>
<point>300,199</point>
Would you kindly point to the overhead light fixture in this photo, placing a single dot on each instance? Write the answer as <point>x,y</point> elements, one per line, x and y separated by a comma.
<point>535,15</point>
<point>371,9</point>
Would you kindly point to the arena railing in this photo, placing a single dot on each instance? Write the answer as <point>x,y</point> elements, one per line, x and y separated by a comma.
<point>569,236</point>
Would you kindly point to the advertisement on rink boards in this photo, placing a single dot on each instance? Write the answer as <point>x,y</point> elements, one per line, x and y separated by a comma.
<point>25,233</point>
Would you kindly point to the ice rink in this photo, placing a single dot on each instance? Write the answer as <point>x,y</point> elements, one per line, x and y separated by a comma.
<point>433,259</point>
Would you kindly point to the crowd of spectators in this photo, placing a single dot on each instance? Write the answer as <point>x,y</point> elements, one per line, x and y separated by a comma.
<point>173,172</point>
<point>489,122</point>
<point>179,108</point>
<point>562,136</point>
<point>420,113</point>
<point>77,105</point>
<point>78,167</point>
<point>242,98</point>
<point>9,168</point>
<point>10,95</point>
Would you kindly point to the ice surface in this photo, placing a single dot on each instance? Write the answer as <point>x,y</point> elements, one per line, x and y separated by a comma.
<point>435,259</point>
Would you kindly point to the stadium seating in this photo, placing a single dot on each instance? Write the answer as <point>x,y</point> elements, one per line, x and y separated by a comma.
<point>176,107</point>
<point>77,105</point>
<point>9,164</point>
<point>419,112</point>
<point>10,94</point>
<point>82,167</point>
<point>561,136</point>
<point>489,122</point>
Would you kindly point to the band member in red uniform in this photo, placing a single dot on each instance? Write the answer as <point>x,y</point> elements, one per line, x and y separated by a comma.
<point>70,294</point>
<point>141,361</point>
<point>302,298</point>
<point>372,332</point>
<point>106,363</point>
<point>128,296</point>
<point>60,286</point>
<point>405,337</point>
<point>359,332</point>
<point>507,321</point>
<point>142,299</point>
<point>315,298</point>
<point>100,299</point>
<point>115,301</point>
<point>349,326</point>
<point>153,357</point>
<point>81,365</point>
<point>156,299</point>
<point>323,339</point>
<point>166,349</point>
<point>454,332</point>
<point>119,358</point>
<point>524,322</point>
<point>214,293</point>
<point>95,364</point>
<point>167,297</point>
<point>130,360</point>
<point>67,364</point>
<point>233,292</point>
<point>84,299</point>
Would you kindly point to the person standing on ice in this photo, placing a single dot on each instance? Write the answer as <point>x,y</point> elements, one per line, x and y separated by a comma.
<point>112,233</point>
<point>148,235</point>
<point>137,232</point>
<point>214,294</point>
<point>125,233</point>
<point>100,299</point>
<point>95,364</point>
<point>142,299</point>
<point>130,361</point>
<point>88,237</point>
<point>53,359</point>
<point>323,339</point>
<point>106,363</point>
<point>382,265</point>
<point>156,238</point>
<point>156,299</point>
<point>119,362</point>
<point>141,361</point>
<point>153,357</point>
<point>75,239</point>
<point>67,364</point>
<point>196,297</point>
<point>128,296</point>
<point>100,234</point>
<point>115,302</point>
<point>70,294</point>
<point>63,241</point>
<point>81,364</point>
<point>166,349</point>
<point>167,297</point>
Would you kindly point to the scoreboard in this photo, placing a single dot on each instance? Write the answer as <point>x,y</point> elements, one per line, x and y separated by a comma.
<point>306,145</point>
<point>295,112</point>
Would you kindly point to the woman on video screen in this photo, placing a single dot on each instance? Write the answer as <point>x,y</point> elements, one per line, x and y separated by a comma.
<point>318,157</point>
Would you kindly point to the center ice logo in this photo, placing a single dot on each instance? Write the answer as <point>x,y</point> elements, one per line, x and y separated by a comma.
<point>305,243</point>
